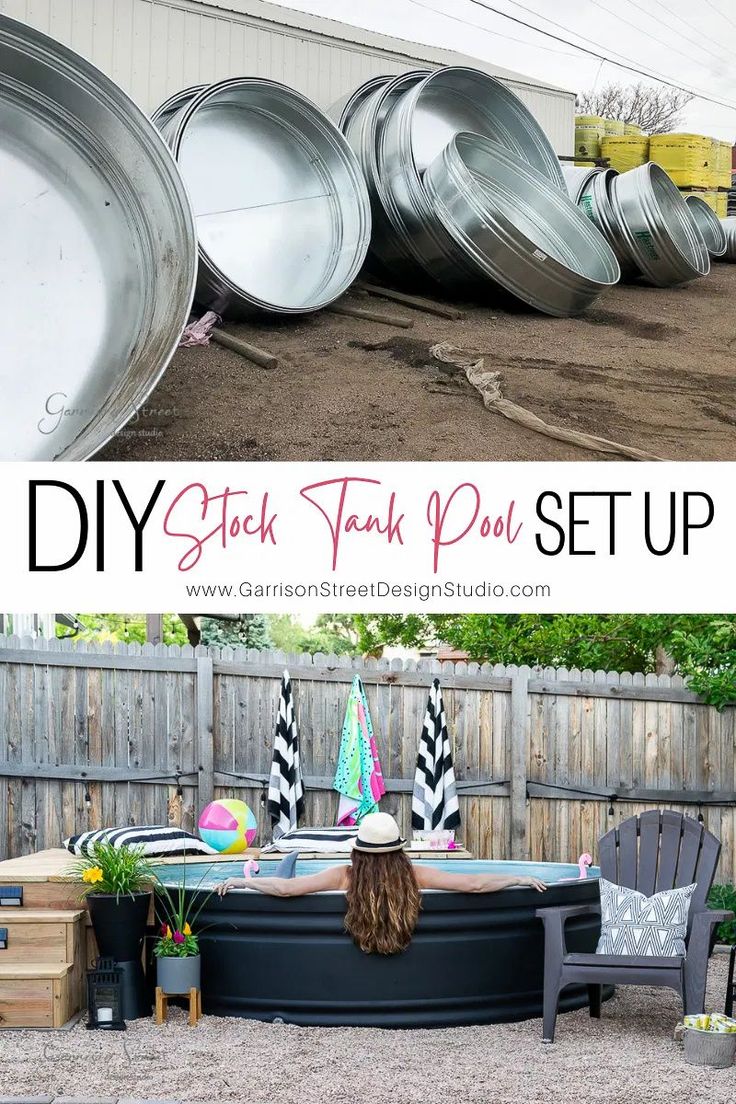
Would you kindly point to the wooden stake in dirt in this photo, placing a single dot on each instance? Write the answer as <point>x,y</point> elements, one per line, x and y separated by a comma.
<point>415,301</point>
<point>372,316</point>
<point>248,352</point>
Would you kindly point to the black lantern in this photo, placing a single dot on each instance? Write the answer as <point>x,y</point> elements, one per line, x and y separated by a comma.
<point>104,996</point>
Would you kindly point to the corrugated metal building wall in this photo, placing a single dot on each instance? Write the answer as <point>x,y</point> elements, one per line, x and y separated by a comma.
<point>155,47</point>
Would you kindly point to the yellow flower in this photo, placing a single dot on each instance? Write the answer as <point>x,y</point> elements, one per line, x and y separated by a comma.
<point>92,874</point>
<point>186,930</point>
<point>167,933</point>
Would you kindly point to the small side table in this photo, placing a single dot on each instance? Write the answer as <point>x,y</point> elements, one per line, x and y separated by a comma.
<point>731,983</point>
<point>195,1005</point>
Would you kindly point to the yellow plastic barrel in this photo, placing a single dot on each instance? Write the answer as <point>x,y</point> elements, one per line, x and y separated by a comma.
<point>632,128</point>
<point>723,160</point>
<point>589,130</point>
<point>613,128</point>
<point>625,152</point>
<point>685,157</point>
<point>715,154</point>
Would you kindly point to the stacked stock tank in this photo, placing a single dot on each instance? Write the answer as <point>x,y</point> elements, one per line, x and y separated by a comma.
<point>467,192</point>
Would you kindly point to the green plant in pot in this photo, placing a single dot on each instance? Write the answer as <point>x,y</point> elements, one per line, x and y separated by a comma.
<point>178,961</point>
<point>117,889</point>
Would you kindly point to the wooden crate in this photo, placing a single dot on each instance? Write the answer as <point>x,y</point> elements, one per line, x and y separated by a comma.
<point>45,959</point>
<point>36,995</point>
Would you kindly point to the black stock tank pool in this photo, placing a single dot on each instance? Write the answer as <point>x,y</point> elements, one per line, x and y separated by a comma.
<point>474,958</point>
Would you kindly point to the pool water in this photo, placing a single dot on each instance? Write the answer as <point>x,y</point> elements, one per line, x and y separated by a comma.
<point>204,875</point>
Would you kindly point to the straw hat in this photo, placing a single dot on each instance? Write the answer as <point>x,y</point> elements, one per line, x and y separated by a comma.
<point>378,833</point>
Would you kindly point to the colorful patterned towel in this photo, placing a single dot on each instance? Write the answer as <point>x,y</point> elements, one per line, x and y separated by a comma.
<point>358,778</point>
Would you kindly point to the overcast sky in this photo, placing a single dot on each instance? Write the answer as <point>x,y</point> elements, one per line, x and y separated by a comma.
<point>694,44</point>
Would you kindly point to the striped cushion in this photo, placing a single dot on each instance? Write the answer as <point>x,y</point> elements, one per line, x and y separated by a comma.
<point>323,840</point>
<point>153,839</point>
<point>632,924</point>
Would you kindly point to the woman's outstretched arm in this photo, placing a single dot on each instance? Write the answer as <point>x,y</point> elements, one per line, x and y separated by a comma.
<point>334,877</point>
<point>431,877</point>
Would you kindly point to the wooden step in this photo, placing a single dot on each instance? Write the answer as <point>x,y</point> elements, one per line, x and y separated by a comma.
<point>39,994</point>
<point>43,935</point>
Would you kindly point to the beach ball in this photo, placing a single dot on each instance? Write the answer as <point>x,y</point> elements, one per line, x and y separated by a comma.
<point>228,825</point>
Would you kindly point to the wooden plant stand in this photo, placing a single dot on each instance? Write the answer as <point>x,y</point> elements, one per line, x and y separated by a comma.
<point>195,1005</point>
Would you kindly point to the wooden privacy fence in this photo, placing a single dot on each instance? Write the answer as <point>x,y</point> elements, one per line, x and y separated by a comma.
<point>546,759</point>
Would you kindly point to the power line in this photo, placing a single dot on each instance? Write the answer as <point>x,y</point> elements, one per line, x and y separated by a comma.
<point>654,38</point>
<point>690,26</point>
<point>721,13</point>
<point>628,65</point>
<point>624,61</point>
<point>490,31</point>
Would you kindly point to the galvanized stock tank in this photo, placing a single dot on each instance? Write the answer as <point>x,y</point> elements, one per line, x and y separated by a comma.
<point>729,228</point>
<point>397,129</point>
<point>709,225</point>
<point>97,252</point>
<point>659,230</point>
<point>281,207</point>
<point>521,231</point>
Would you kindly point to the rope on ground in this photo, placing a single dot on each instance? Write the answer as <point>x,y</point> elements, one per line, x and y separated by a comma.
<point>489,386</point>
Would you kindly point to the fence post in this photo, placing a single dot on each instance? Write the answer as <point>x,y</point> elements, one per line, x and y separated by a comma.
<point>519,844</point>
<point>204,701</point>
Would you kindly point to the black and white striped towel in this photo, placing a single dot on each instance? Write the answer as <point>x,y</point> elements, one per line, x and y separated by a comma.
<point>285,787</point>
<point>434,800</point>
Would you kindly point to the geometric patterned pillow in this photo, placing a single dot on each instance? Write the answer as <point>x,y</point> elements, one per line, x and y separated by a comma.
<point>632,924</point>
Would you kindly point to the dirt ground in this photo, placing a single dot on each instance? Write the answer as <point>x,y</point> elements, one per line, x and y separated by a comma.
<point>627,1057</point>
<point>646,367</point>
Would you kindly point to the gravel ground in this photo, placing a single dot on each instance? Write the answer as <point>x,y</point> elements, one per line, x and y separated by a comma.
<point>627,1057</point>
<point>647,367</point>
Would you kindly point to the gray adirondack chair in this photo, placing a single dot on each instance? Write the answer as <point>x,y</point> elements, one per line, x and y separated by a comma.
<point>649,853</point>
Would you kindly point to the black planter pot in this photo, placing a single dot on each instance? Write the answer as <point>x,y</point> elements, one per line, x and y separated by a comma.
<point>119,925</point>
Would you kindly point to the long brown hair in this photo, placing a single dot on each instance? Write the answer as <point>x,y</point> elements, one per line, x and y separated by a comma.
<point>383,902</point>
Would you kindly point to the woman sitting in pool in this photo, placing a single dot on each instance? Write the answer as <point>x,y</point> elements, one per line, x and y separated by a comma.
<point>381,885</point>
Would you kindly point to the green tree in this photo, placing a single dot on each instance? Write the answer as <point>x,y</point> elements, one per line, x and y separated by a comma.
<point>330,633</point>
<point>700,647</point>
<point>124,628</point>
<point>249,630</point>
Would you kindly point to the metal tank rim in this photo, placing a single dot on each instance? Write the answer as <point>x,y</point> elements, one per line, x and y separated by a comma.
<point>729,229</point>
<point>576,178</point>
<point>643,217</point>
<point>468,210</point>
<point>215,288</point>
<point>343,109</point>
<point>595,200</point>
<point>709,225</point>
<point>390,245</point>
<point>87,81</point>
<point>401,164</point>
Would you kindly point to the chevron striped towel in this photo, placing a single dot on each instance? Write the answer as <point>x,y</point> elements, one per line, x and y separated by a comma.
<point>285,787</point>
<point>632,924</point>
<point>434,800</point>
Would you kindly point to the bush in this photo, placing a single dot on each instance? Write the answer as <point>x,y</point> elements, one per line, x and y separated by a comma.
<point>118,871</point>
<point>724,897</point>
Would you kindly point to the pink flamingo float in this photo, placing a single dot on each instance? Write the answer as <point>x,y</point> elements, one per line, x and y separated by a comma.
<point>584,862</point>
<point>251,867</point>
